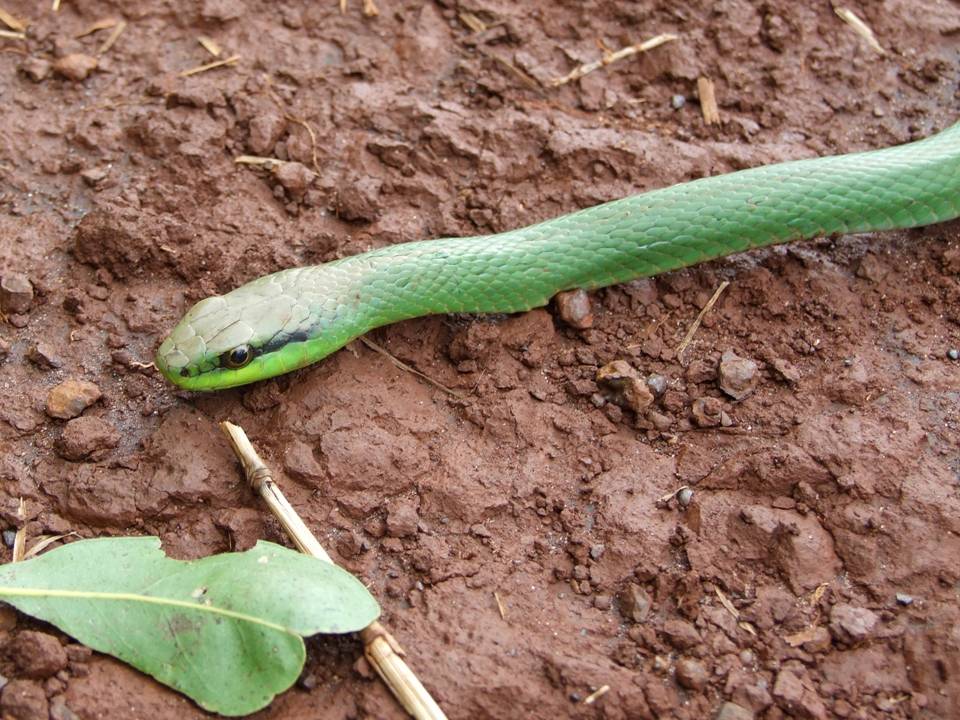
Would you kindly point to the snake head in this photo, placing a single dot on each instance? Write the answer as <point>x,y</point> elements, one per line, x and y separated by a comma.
<point>254,332</point>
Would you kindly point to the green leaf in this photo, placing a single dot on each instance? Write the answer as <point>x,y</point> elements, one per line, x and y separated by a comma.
<point>225,630</point>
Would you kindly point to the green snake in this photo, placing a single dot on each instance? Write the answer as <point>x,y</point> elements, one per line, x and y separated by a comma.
<point>295,317</point>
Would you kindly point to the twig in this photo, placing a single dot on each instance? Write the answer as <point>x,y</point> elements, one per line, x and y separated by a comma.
<point>580,71</point>
<point>380,647</point>
<point>503,612</point>
<point>112,38</point>
<point>526,78</point>
<point>708,100</point>
<point>696,323</point>
<point>596,694</point>
<point>859,27</point>
<point>269,162</point>
<point>56,6</point>
<point>403,366</point>
<point>472,21</point>
<point>370,9</point>
<point>210,66</point>
<point>11,22</point>
<point>13,35</point>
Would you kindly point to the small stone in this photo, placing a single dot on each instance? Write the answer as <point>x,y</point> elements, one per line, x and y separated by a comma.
<point>87,437</point>
<point>732,711</point>
<point>575,309</point>
<point>24,700</point>
<point>738,375</point>
<point>796,699</point>
<point>785,370</point>
<point>818,642</point>
<point>691,674</point>
<point>871,268</point>
<point>295,178</point>
<point>706,412</point>
<point>904,599</point>
<point>265,130</point>
<point>37,69</point>
<point>16,293</point>
<point>44,356</point>
<point>300,463</point>
<point>95,175</point>
<point>38,655</point>
<point>70,398</point>
<point>75,66</point>
<point>9,537</point>
<point>624,386</point>
<point>60,711</point>
<point>953,354</point>
<point>684,496</point>
<point>657,384</point>
<point>359,200</point>
<point>596,552</point>
<point>681,634</point>
<point>602,602</point>
<point>852,624</point>
<point>678,101</point>
<point>660,421</point>
<point>402,517</point>
<point>634,603</point>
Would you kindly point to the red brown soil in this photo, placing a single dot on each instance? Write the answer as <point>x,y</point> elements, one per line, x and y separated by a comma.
<point>123,206</point>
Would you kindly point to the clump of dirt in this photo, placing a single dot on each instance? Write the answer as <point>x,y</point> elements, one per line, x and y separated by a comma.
<point>768,528</point>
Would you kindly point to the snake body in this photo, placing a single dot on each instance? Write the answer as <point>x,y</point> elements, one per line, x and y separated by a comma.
<point>295,317</point>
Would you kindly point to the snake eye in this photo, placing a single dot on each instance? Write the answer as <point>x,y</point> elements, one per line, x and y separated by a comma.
<point>237,358</point>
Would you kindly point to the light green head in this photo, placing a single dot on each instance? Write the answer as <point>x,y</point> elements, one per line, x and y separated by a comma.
<point>265,328</point>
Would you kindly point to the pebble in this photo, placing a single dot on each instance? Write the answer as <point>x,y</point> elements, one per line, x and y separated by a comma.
<point>624,386</point>
<point>37,69</point>
<point>738,375</point>
<point>635,603</point>
<point>691,674</point>
<point>681,634</point>
<point>9,537</point>
<point>402,517</point>
<point>16,293</point>
<point>70,398</point>
<point>852,624</point>
<point>706,412</point>
<point>657,384</point>
<point>685,496</point>
<point>678,101</point>
<point>87,436</point>
<point>38,655</point>
<point>24,700</point>
<point>953,354</point>
<point>596,552</point>
<point>44,356</point>
<point>796,699</point>
<point>59,709</point>
<point>904,599</point>
<point>575,309</point>
<point>602,602</point>
<point>785,370</point>
<point>75,66</point>
<point>265,130</point>
<point>299,462</point>
<point>295,177</point>
<point>732,711</point>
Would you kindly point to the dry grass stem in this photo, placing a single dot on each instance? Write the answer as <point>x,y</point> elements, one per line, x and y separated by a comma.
<point>343,7</point>
<point>503,611</point>
<point>11,22</point>
<point>472,21</point>
<point>103,24</point>
<point>527,79</point>
<point>268,162</point>
<point>859,27</point>
<point>609,58</point>
<point>696,323</point>
<point>42,543</point>
<point>56,6</point>
<point>112,38</point>
<point>370,9</point>
<point>313,137</point>
<point>210,45</point>
<point>725,601</point>
<point>232,60</point>
<point>708,100</point>
<point>596,694</point>
<point>13,35</point>
<point>20,539</point>
<point>380,647</point>
<point>403,366</point>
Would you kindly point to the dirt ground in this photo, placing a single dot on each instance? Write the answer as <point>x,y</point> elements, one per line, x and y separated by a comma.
<point>813,572</point>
